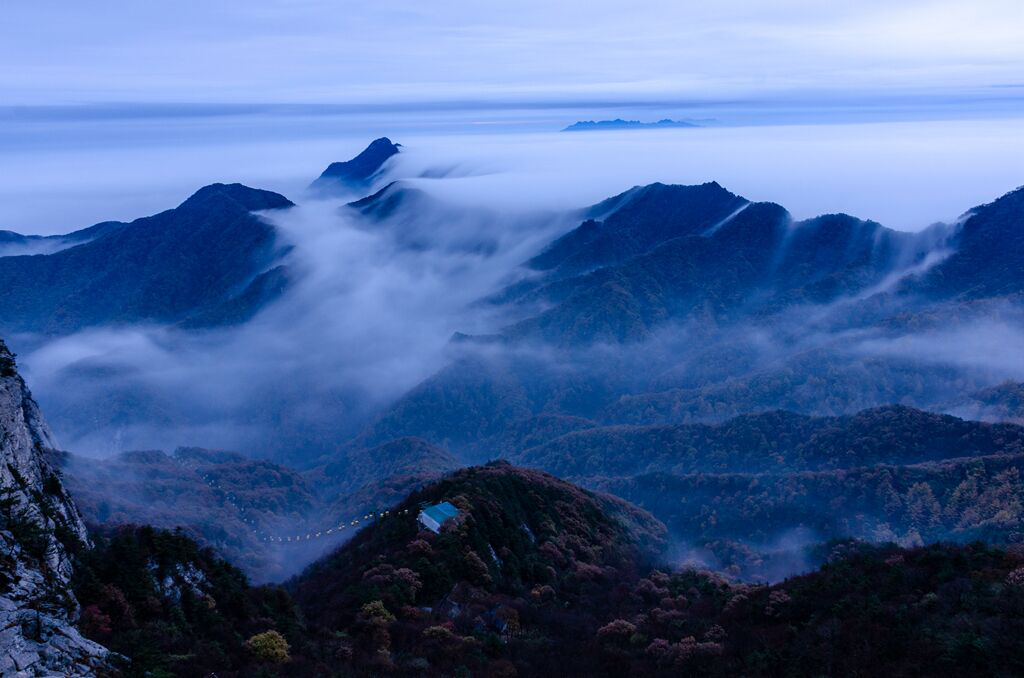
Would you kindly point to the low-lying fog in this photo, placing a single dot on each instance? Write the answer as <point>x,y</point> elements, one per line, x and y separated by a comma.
<point>367,318</point>
<point>370,316</point>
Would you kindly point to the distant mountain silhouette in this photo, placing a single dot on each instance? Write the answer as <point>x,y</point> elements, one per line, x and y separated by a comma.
<point>205,262</point>
<point>358,172</point>
<point>619,123</point>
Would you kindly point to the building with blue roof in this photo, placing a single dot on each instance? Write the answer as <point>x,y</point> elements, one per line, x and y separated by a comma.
<point>433,517</point>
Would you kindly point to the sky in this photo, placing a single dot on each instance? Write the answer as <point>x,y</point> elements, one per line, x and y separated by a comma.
<point>338,51</point>
<point>123,109</point>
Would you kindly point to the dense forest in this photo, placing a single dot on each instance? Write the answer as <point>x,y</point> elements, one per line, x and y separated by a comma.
<point>774,442</point>
<point>537,577</point>
<point>171,608</point>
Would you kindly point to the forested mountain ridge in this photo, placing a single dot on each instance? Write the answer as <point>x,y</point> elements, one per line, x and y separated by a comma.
<point>537,577</point>
<point>208,254</point>
<point>988,247</point>
<point>774,442</point>
<point>669,252</point>
<point>687,304</point>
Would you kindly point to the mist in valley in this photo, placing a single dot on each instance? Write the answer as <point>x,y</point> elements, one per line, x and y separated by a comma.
<point>578,338</point>
<point>390,319</point>
<point>374,305</point>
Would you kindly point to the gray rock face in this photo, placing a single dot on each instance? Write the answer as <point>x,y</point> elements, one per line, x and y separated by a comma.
<point>39,528</point>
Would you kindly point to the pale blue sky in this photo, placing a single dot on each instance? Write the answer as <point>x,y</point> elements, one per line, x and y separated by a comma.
<point>338,51</point>
<point>340,73</point>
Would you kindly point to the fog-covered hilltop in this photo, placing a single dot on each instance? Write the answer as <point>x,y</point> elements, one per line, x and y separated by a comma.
<point>679,304</point>
<point>357,173</point>
<point>228,501</point>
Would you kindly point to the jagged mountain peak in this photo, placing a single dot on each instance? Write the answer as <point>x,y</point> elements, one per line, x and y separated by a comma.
<point>359,171</point>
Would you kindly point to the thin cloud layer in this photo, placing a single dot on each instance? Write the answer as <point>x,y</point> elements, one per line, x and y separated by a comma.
<point>290,52</point>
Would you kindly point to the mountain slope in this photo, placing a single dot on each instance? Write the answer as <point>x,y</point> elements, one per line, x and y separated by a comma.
<point>635,221</point>
<point>408,456</point>
<point>774,442</point>
<point>678,252</point>
<point>520,535</point>
<point>221,499</point>
<point>989,249</point>
<point>757,526</point>
<point>40,531</point>
<point>14,244</point>
<point>536,577</point>
<point>358,172</point>
<point>170,267</point>
<point>172,608</point>
<point>659,309</point>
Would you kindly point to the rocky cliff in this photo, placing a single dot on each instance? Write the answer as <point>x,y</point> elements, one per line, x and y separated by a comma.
<point>40,530</point>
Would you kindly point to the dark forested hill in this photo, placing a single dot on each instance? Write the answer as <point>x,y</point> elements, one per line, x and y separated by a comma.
<point>774,442</point>
<point>204,259</point>
<point>522,541</point>
<point>987,260</point>
<point>535,577</point>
